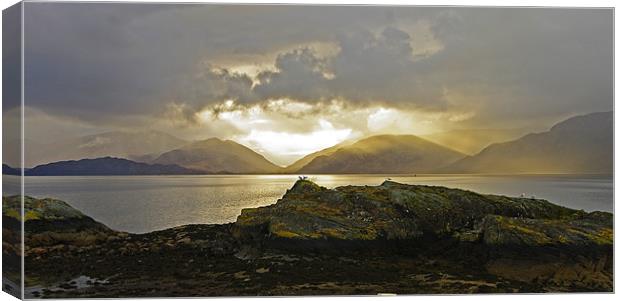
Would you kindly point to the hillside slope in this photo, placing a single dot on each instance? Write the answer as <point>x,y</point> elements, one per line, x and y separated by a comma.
<point>119,144</point>
<point>106,166</point>
<point>581,144</point>
<point>384,154</point>
<point>218,156</point>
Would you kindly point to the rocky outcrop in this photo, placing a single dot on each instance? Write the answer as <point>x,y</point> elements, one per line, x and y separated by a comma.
<point>586,230</point>
<point>54,227</point>
<point>490,230</point>
<point>51,222</point>
<point>391,211</point>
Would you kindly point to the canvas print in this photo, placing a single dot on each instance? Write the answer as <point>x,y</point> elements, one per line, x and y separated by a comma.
<point>188,150</point>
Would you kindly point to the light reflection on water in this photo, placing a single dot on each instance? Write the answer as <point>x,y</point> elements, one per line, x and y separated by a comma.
<point>147,203</point>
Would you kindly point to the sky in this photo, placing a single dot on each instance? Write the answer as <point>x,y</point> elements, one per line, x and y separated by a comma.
<point>290,80</point>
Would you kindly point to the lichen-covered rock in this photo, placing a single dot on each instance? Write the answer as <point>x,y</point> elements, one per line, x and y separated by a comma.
<point>581,231</point>
<point>528,240</point>
<point>390,211</point>
<point>310,212</point>
<point>570,273</point>
<point>49,222</point>
<point>34,209</point>
<point>46,209</point>
<point>555,253</point>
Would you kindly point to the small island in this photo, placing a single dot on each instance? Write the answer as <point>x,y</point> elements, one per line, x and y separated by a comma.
<point>391,238</point>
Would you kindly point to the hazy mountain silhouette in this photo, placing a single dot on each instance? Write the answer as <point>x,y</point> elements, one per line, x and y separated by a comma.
<point>8,170</point>
<point>215,156</point>
<point>105,166</point>
<point>114,144</point>
<point>384,154</point>
<point>581,144</point>
<point>472,141</point>
<point>297,165</point>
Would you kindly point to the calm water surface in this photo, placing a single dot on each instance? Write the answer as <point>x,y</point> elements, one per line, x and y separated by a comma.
<point>146,203</point>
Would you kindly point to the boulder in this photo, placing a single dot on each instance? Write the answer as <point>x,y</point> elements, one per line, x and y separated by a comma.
<point>51,222</point>
<point>524,239</point>
<point>390,211</point>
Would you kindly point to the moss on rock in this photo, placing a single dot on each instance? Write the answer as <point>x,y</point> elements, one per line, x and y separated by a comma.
<point>394,211</point>
<point>49,222</point>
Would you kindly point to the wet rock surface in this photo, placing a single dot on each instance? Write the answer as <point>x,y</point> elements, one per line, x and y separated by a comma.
<point>391,238</point>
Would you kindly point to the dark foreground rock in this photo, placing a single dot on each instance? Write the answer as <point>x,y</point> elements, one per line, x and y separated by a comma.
<point>529,240</point>
<point>391,238</point>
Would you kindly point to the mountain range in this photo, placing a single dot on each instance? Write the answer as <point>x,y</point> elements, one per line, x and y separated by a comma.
<point>106,166</point>
<point>130,145</point>
<point>299,164</point>
<point>384,154</point>
<point>8,170</point>
<point>472,141</point>
<point>581,144</point>
<point>216,156</point>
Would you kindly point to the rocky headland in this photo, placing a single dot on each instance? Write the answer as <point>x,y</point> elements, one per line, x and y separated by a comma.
<point>390,238</point>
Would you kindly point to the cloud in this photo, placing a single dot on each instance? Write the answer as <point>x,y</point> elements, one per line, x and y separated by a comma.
<point>93,60</point>
<point>291,146</point>
<point>368,69</point>
<point>212,85</point>
<point>526,65</point>
<point>300,74</point>
<point>11,57</point>
<point>381,68</point>
<point>123,64</point>
<point>497,65</point>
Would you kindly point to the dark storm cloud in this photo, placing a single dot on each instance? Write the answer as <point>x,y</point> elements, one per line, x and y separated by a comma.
<point>210,85</point>
<point>527,63</point>
<point>11,57</point>
<point>120,58</point>
<point>381,69</point>
<point>369,68</point>
<point>98,60</point>
<point>81,59</point>
<point>300,75</point>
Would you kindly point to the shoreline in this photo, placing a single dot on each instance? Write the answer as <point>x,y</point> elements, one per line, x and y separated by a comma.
<point>360,238</point>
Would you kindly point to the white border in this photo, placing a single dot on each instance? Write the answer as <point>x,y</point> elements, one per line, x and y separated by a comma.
<point>564,3</point>
<point>511,3</point>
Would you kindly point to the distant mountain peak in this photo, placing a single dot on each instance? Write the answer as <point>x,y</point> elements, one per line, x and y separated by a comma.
<point>383,154</point>
<point>105,166</point>
<point>216,155</point>
<point>213,139</point>
<point>580,144</point>
<point>122,144</point>
<point>580,121</point>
